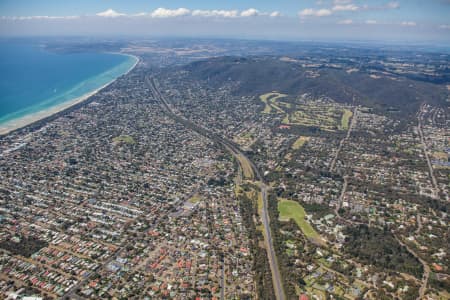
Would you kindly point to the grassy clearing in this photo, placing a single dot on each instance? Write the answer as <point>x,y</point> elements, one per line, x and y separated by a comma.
<point>345,120</point>
<point>195,199</point>
<point>260,211</point>
<point>440,155</point>
<point>316,293</point>
<point>253,193</point>
<point>273,103</point>
<point>246,167</point>
<point>260,203</point>
<point>245,139</point>
<point>267,108</point>
<point>269,100</point>
<point>247,135</point>
<point>314,115</point>
<point>124,139</point>
<point>238,190</point>
<point>289,209</point>
<point>300,142</point>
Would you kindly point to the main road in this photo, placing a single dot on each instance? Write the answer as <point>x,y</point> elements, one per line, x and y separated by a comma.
<point>347,136</point>
<point>420,114</point>
<point>239,155</point>
<point>426,269</point>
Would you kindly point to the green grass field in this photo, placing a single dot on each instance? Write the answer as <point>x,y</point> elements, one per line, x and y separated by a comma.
<point>246,167</point>
<point>289,209</point>
<point>439,155</point>
<point>300,142</point>
<point>312,115</point>
<point>124,139</point>
<point>269,100</point>
<point>345,121</point>
<point>195,199</point>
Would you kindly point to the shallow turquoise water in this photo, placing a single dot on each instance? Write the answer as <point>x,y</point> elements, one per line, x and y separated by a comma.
<point>33,79</point>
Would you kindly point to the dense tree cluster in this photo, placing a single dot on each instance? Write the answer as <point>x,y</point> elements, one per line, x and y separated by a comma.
<point>378,247</point>
<point>261,266</point>
<point>25,247</point>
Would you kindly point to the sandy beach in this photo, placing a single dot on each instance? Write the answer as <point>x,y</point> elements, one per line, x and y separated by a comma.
<point>15,124</point>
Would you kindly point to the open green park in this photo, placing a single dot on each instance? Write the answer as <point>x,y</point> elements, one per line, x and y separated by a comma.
<point>289,209</point>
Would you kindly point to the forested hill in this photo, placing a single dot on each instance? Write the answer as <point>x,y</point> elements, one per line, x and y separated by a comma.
<point>257,75</point>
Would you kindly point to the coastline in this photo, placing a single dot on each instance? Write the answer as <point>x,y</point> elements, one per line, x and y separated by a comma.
<point>26,120</point>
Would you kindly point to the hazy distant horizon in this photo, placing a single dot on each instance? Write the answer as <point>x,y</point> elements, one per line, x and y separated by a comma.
<point>440,46</point>
<point>401,21</point>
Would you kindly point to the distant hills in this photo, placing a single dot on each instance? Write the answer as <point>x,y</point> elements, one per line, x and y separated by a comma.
<point>257,75</point>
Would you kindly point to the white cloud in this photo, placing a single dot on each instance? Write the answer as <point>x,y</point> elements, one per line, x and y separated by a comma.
<point>347,7</point>
<point>14,18</point>
<point>109,13</point>
<point>408,23</point>
<point>310,12</point>
<point>342,1</point>
<point>346,22</point>
<point>141,14</point>
<point>323,12</point>
<point>393,5</point>
<point>165,13</point>
<point>275,14</point>
<point>169,13</point>
<point>215,13</point>
<point>306,12</point>
<point>444,26</point>
<point>388,6</point>
<point>251,12</point>
<point>371,22</point>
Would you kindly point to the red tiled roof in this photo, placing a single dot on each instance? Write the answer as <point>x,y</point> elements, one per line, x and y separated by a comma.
<point>303,297</point>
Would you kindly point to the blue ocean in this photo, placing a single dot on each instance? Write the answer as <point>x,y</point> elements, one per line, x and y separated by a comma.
<point>33,79</point>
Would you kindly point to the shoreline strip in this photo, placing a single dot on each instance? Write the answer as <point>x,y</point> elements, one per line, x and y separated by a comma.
<point>29,119</point>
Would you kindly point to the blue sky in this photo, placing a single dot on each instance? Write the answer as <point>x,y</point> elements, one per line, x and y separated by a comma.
<point>396,20</point>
